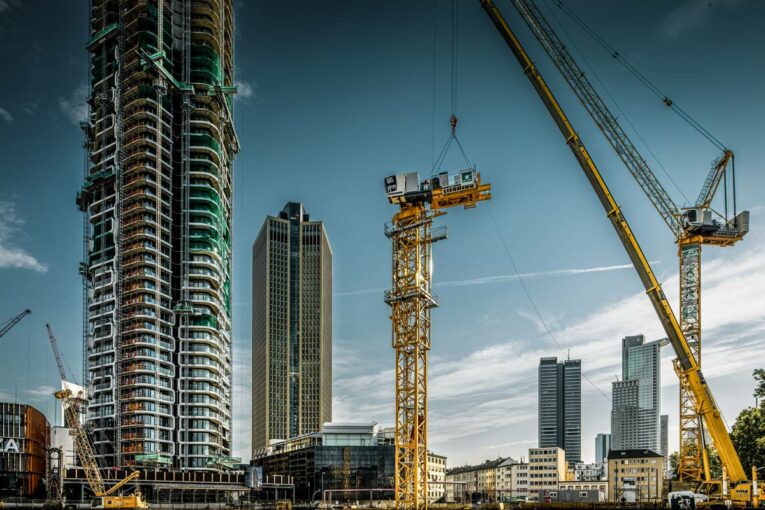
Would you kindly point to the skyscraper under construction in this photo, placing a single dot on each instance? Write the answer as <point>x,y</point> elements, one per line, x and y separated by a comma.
<point>157,203</point>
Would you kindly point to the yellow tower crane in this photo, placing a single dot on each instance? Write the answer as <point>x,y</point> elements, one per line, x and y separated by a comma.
<point>745,492</point>
<point>411,300</point>
<point>691,227</point>
<point>105,498</point>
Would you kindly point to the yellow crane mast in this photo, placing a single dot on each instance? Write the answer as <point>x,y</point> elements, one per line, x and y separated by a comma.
<point>84,450</point>
<point>411,299</point>
<point>687,366</point>
<point>691,227</point>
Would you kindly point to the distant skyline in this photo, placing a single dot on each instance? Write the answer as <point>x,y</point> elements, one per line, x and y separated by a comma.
<point>335,96</point>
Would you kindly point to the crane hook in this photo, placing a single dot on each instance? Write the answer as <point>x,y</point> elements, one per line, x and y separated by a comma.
<point>453,122</point>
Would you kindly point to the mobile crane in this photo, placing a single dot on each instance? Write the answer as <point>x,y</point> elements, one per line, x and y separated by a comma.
<point>105,498</point>
<point>691,227</point>
<point>411,300</point>
<point>744,492</point>
<point>10,323</point>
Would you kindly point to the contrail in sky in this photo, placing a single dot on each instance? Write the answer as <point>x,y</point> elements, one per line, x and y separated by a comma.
<point>504,278</point>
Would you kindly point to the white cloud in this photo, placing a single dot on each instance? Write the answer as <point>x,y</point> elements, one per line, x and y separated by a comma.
<point>490,395</point>
<point>244,90</point>
<point>74,107</point>
<point>11,256</point>
<point>41,392</point>
<point>5,114</point>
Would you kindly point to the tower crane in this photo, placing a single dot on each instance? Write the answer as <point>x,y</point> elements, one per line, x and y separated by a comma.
<point>744,492</point>
<point>691,227</point>
<point>105,498</point>
<point>10,323</point>
<point>411,300</point>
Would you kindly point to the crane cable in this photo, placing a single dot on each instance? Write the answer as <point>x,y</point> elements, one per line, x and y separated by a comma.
<point>624,115</point>
<point>532,302</point>
<point>453,120</point>
<point>669,102</point>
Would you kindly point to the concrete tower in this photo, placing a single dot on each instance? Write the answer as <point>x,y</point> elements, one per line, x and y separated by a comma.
<point>157,203</point>
<point>560,406</point>
<point>291,327</point>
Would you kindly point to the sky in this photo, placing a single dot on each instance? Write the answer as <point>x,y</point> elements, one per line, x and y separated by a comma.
<point>334,96</point>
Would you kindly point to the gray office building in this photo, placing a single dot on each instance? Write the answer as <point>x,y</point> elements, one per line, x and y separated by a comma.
<point>602,447</point>
<point>664,438</point>
<point>635,416</point>
<point>560,406</point>
<point>291,327</point>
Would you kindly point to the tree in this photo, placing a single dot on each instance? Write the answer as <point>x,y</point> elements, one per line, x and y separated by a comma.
<point>748,433</point>
<point>759,390</point>
<point>674,460</point>
<point>748,437</point>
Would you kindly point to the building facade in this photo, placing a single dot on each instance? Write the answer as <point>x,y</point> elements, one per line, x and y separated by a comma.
<point>24,443</point>
<point>475,482</point>
<point>436,477</point>
<point>589,472</point>
<point>157,203</point>
<point>560,406</point>
<point>635,476</point>
<point>602,447</point>
<point>635,416</point>
<point>291,327</point>
<point>664,438</point>
<point>547,467</point>
<point>520,480</point>
<point>581,492</point>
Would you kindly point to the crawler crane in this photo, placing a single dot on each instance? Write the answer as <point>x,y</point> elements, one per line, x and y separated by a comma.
<point>743,492</point>
<point>691,227</point>
<point>411,301</point>
<point>105,498</point>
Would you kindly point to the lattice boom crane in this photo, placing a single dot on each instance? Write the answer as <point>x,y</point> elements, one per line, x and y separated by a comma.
<point>745,492</point>
<point>411,300</point>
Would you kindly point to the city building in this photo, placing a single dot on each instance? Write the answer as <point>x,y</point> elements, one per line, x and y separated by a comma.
<point>635,476</point>
<point>560,406</point>
<point>345,459</point>
<point>664,438</point>
<point>519,473</point>
<point>157,219</point>
<point>581,492</point>
<point>24,443</point>
<point>547,467</point>
<point>503,478</point>
<point>436,477</point>
<point>291,327</point>
<point>473,482</point>
<point>589,472</point>
<point>602,447</point>
<point>635,415</point>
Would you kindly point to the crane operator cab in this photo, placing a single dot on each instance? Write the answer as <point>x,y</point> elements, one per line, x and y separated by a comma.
<point>408,188</point>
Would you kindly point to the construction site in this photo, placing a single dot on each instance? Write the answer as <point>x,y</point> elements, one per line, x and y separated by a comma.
<point>150,421</point>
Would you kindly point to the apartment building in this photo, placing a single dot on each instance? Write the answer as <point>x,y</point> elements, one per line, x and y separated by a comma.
<point>635,476</point>
<point>436,474</point>
<point>547,467</point>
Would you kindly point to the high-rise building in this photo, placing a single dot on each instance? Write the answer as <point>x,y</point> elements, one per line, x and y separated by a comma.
<point>635,416</point>
<point>664,438</point>
<point>291,327</point>
<point>157,203</point>
<point>560,406</point>
<point>602,446</point>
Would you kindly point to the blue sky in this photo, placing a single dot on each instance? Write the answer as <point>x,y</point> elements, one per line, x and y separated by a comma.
<point>336,95</point>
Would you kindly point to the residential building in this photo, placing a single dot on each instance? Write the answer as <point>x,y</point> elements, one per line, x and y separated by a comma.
<point>589,472</point>
<point>157,232</point>
<point>560,406</point>
<point>519,474</point>
<point>503,478</point>
<point>547,467</point>
<point>581,492</point>
<point>635,417</point>
<point>602,446</point>
<point>635,476</point>
<point>291,327</point>
<point>436,477</point>
<point>473,483</point>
